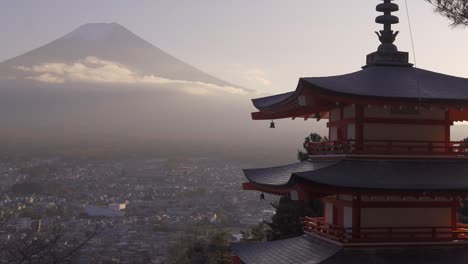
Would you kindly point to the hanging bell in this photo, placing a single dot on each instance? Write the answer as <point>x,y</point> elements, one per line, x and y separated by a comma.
<point>262,196</point>
<point>317,116</point>
<point>272,124</point>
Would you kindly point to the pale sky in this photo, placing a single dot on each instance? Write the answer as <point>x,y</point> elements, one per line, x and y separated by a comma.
<point>260,44</point>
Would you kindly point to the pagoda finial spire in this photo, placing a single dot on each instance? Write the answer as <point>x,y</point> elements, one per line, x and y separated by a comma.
<point>387,36</point>
<point>387,54</point>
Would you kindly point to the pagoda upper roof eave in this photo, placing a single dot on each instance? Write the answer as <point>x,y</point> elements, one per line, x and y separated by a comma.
<point>317,191</point>
<point>307,190</point>
<point>364,176</point>
<point>314,95</point>
<point>302,249</point>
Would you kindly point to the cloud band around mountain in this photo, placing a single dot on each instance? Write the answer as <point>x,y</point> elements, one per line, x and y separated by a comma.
<point>95,70</point>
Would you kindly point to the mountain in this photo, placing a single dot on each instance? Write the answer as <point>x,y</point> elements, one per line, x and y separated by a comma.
<point>110,42</point>
<point>103,86</point>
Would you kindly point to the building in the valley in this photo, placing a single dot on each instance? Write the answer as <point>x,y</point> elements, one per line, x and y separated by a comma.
<point>390,177</point>
<point>117,206</point>
<point>97,211</point>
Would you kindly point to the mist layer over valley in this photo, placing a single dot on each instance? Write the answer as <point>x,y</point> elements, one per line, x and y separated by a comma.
<point>101,86</point>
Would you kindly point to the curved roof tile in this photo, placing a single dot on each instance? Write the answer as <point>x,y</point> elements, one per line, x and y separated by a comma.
<point>278,176</point>
<point>421,175</point>
<point>406,175</point>
<point>313,250</point>
<point>396,82</point>
<point>301,250</point>
<point>380,82</point>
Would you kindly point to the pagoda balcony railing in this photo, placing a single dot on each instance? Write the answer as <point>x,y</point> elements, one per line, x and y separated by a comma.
<point>388,147</point>
<point>429,234</point>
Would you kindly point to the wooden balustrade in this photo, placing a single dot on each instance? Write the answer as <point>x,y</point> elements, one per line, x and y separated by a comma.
<point>318,226</point>
<point>387,147</point>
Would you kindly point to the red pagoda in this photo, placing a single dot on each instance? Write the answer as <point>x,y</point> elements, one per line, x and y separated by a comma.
<point>390,178</point>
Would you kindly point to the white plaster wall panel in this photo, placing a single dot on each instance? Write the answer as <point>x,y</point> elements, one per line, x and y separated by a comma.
<point>345,197</point>
<point>351,131</point>
<point>294,196</point>
<point>404,132</point>
<point>405,217</point>
<point>424,113</point>
<point>399,198</point>
<point>329,213</point>
<point>348,217</point>
<point>333,134</point>
<point>349,112</point>
<point>335,114</point>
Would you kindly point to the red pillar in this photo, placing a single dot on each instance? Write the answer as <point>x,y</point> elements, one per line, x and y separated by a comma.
<point>356,216</point>
<point>454,218</point>
<point>448,124</point>
<point>236,260</point>
<point>359,125</point>
<point>335,215</point>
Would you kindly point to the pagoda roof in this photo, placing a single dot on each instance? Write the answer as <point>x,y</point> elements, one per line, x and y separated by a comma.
<point>368,174</point>
<point>304,250</point>
<point>385,84</point>
<point>309,249</point>
<point>281,175</point>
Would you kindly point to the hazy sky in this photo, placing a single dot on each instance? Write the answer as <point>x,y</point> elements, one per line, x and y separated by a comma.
<point>260,44</point>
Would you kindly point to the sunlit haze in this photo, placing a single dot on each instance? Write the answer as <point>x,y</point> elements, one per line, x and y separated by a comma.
<point>234,131</point>
<point>263,45</point>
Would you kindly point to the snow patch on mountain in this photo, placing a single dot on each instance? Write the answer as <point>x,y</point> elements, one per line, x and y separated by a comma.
<point>94,31</point>
<point>73,58</point>
<point>95,70</point>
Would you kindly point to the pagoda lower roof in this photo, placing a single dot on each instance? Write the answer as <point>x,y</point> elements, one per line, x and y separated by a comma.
<point>378,82</point>
<point>354,174</point>
<point>310,249</point>
<point>304,250</point>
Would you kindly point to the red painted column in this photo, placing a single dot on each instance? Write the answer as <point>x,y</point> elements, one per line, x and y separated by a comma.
<point>454,218</point>
<point>335,215</point>
<point>342,128</point>
<point>236,260</point>
<point>356,216</point>
<point>324,207</point>
<point>448,124</point>
<point>359,126</point>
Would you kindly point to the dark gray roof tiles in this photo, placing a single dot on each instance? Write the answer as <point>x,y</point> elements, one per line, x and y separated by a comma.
<point>301,250</point>
<point>407,175</point>
<point>451,254</point>
<point>281,175</point>
<point>393,175</point>
<point>272,100</point>
<point>396,82</point>
<point>381,82</point>
<point>313,250</point>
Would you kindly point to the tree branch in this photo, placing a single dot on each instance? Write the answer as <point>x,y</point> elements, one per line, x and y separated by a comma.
<point>455,10</point>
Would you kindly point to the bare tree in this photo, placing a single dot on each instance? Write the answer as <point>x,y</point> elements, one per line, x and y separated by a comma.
<point>201,248</point>
<point>52,246</point>
<point>455,10</point>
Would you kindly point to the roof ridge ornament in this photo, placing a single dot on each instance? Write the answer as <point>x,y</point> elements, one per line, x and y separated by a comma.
<point>387,36</point>
<point>387,54</point>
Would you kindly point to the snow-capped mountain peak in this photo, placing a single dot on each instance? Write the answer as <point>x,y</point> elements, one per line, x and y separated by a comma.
<point>94,31</point>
